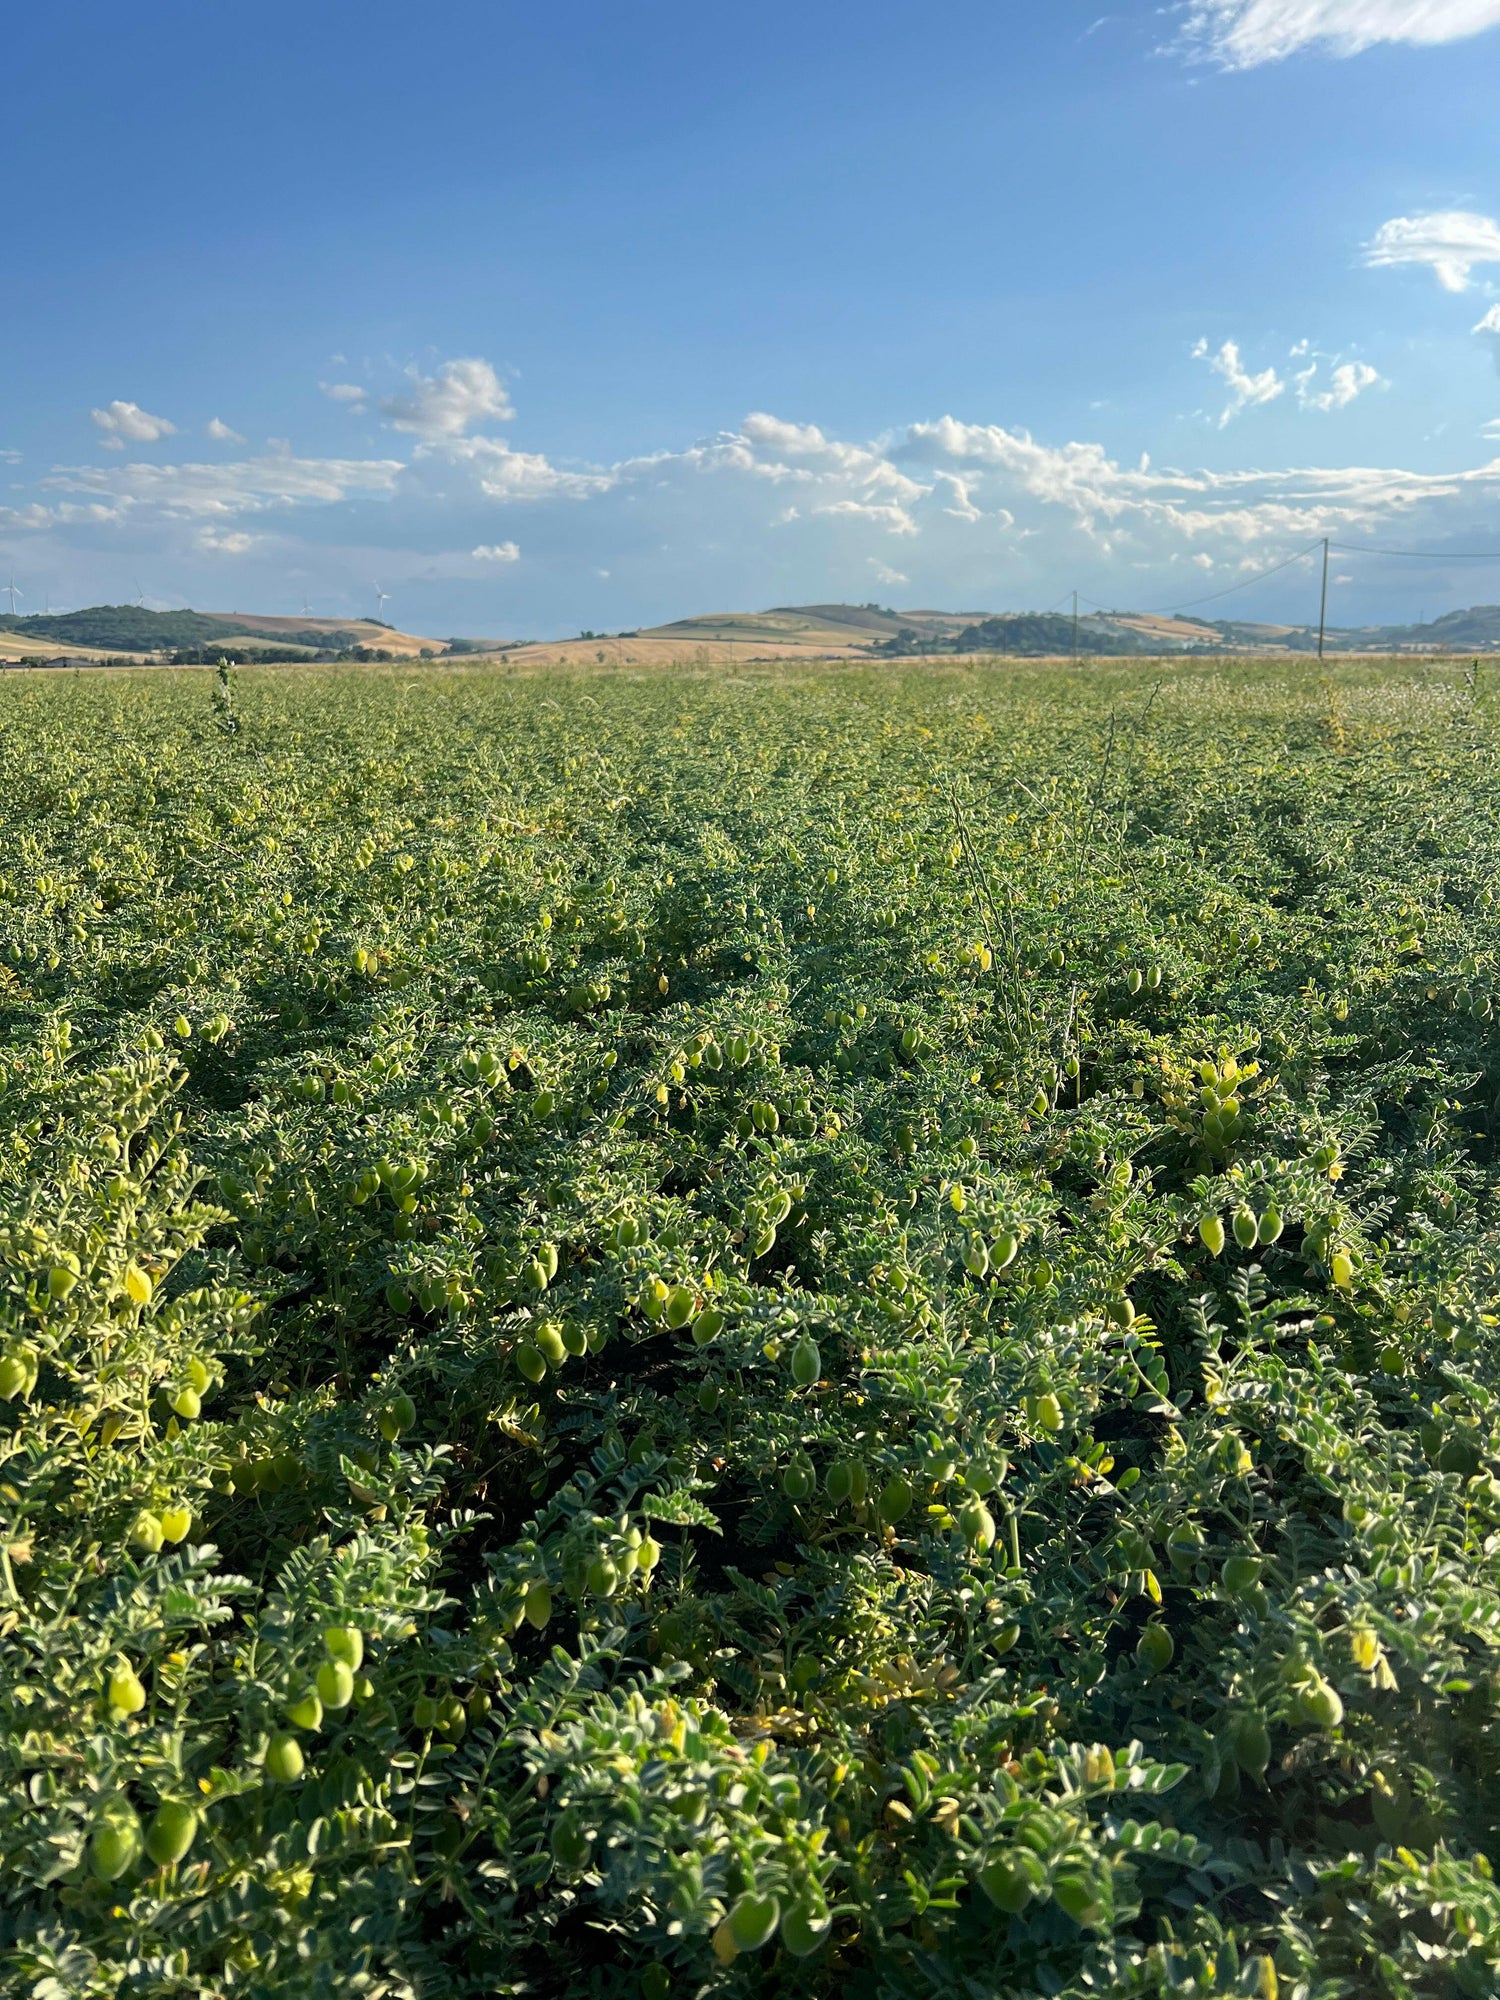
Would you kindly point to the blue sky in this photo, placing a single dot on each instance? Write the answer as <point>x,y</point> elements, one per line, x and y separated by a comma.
<point>596,315</point>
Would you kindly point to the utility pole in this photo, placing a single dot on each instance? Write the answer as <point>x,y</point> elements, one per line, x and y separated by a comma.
<point>1075,624</point>
<point>1323,607</point>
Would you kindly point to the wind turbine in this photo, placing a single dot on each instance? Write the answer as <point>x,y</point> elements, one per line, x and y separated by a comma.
<point>13,594</point>
<point>140,596</point>
<point>382,598</point>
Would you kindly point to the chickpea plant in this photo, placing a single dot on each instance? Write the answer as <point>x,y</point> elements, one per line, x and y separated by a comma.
<point>824,1332</point>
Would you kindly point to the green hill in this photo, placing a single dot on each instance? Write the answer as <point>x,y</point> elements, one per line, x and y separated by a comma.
<point>821,628</point>
<point>131,628</point>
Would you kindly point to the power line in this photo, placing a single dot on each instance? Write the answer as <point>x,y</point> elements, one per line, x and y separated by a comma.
<point>1323,544</point>
<point>1342,548</point>
<point>1181,603</point>
<point>1417,555</point>
<point>1186,603</point>
<point>1323,601</point>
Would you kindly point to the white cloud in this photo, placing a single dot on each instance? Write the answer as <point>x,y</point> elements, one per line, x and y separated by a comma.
<point>1145,518</point>
<point>771,511</point>
<point>343,392</point>
<point>802,441</point>
<point>1347,380</point>
<point>1239,34</point>
<point>767,443</point>
<point>962,508</point>
<point>247,487</point>
<point>505,475</point>
<point>445,405</point>
<point>1488,328</point>
<point>128,423</point>
<point>221,433</point>
<point>36,519</point>
<point>895,520</point>
<point>1245,389</point>
<point>1450,241</point>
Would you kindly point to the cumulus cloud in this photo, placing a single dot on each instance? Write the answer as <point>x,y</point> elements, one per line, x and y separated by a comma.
<point>961,505</point>
<point>445,405</point>
<point>896,520</point>
<point>768,443</point>
<point>128,423</point>
<point>1488,328</point>
<point>1240,34</point>
<point>1146,517</point>
<point>221,433</point>
<point>1245,389</point>
<point>802,441</point>
<point>35,518</point>
<point>773,510</point>
<point>728,493</point>
<point>1346,381</point>
<point>1449,241</point>
<point>503,474</point>
<point>344,392</point>
<point>248,487</point>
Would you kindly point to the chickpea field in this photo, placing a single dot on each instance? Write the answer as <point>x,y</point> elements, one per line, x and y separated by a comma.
<point>820,1331</point>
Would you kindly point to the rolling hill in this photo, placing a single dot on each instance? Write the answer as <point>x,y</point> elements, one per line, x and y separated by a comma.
<point>114,629</point>
<point>874,629</point>
<point>784,632</point>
